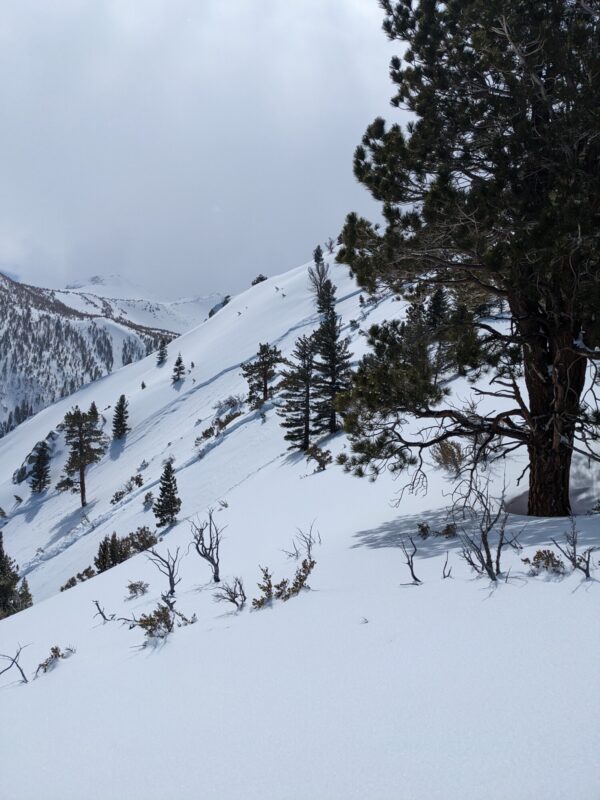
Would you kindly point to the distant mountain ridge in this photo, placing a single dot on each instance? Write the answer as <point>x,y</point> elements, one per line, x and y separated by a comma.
<point>53,341</point>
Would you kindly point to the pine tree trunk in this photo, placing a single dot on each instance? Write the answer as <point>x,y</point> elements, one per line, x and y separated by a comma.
<point>549,481</point>
<point>555,378</point>
<point>82,486</point>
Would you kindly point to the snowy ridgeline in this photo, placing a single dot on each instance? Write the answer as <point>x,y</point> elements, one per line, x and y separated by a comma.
<point>52,342</point>
<point>368,686</point>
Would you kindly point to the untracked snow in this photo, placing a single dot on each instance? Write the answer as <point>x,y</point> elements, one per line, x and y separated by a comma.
<point>363,687</point>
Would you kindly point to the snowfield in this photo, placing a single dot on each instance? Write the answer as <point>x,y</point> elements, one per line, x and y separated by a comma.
<point>365,687</point>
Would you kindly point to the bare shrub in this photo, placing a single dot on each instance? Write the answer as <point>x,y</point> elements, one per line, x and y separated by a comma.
<point>303,543</point>
<point>14,662</point>
<point>409,558</point>
<point>206,539</point>
<point>168,566</point>
<point>579,561</point>
<point>446,570</point>
<point>231,593</point>
<point>478,550</point>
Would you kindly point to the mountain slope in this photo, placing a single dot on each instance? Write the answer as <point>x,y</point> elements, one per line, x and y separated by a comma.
<point>53,342</point>
<point>365,687</point>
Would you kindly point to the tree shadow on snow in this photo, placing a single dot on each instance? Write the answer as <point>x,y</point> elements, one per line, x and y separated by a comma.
<point>116,448</point>
<point>530,531</point>
<point>69,522</point>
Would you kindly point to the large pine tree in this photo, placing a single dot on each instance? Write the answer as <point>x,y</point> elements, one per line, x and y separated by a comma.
<point>87,446</point>
<point>120,427</point>
<point>40,471</point>
<point>13,597</point>
<point>332,372</point>
<point>168,504</point>
<point>260,373</point>
<point>297,383</point>
<point>493,187</point>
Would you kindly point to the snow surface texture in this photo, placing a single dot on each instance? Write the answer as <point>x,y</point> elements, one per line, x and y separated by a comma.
<point>364,687</point>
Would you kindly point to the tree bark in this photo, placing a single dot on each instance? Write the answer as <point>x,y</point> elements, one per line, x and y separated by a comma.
<point>549,482</point>
<point>82,486</point>
<point>555,378</point>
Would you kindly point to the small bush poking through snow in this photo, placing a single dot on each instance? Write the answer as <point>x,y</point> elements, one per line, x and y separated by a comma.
<point>162,621</point>
<point>232,403</point>
<point>55,656</point>
<point>136,589</point>
<point>323,458</point>
<point>266,588</point>
<point>148,501</point>
<point>84,575</point>
<point>284,590</point>
<point>545,561</point>
<point>133,482</point>
<point>424,529</point>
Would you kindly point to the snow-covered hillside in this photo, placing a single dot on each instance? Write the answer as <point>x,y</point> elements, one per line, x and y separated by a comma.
<point>54,341</point>
<point>367,686</point>
<point>117,298</point>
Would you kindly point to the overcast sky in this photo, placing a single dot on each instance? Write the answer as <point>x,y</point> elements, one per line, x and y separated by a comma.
<point>184,144</point>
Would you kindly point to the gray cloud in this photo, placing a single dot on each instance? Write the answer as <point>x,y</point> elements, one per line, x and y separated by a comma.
<point>186,144</point>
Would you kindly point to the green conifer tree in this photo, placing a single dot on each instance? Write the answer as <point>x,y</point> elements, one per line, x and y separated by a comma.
<point>178,369</point>
<point>12,597</point>
<point>321,284</point>
<point>93,412</point>
<point>492,186</point>
<point>438,309</point>
<point>162,353</point>
<point>40,472</point>
<point>121,415</point>
<point>296,393</point>
<point>168,504</point>
<point>260,373</point>
<point>87,446</point>
<point>332,372</point>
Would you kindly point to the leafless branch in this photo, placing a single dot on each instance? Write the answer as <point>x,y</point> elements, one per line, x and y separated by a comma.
<point>14,662</point>
<point>231,593</point>
<point>410,558</point>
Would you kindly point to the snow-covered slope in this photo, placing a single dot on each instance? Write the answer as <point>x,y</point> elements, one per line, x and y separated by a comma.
<point>52,341</point>
<point>364,687</point>
<point>117,298</point>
